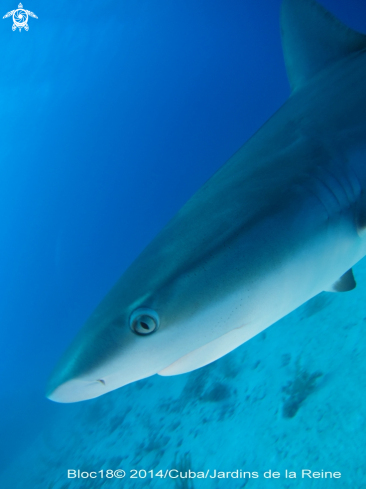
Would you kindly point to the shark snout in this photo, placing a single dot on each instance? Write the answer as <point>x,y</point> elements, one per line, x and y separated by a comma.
<point>106,356</point>
<point>77,390</point>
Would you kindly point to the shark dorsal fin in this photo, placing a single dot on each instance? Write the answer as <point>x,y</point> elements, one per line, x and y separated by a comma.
<point>313,38</point>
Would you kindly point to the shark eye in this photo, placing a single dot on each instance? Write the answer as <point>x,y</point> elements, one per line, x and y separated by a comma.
<point>144,321</point>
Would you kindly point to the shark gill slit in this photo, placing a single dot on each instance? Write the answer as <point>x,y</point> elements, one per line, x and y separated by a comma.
<point>337,187</point>
<point>354,182</point>
<point>335,190</point>
<point>324,195</point>
<point>348,182</point>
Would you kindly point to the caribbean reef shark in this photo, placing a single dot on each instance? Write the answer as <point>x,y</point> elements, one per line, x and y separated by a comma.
<point>283,220</point>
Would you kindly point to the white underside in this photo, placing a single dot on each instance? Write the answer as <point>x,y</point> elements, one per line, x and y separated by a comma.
<point>211,351</point>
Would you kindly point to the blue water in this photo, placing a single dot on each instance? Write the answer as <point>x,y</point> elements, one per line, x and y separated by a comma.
<point>112,115</point>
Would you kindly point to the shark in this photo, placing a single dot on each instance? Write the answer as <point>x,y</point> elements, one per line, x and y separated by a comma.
<point>283,220</point>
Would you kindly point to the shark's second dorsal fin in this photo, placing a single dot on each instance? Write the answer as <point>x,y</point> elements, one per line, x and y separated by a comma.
<point>313,38</point>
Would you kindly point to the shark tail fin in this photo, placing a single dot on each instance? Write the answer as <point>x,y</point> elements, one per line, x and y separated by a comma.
<point>313,38</point>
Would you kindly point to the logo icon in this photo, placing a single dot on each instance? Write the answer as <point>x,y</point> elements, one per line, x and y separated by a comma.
<point>20,17</point>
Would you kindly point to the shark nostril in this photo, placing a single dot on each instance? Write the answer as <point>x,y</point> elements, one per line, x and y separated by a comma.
<point>144,321</point>
<point>101,381</point>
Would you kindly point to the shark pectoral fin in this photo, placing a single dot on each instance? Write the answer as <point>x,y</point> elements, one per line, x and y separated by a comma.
<point>313,38</point>
<point>344,284</point>
<point>211,351</point>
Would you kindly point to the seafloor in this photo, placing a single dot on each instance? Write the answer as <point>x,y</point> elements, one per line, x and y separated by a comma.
<point>294,398</point>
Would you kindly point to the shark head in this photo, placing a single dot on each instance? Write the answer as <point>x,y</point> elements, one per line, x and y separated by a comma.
<point>110,351</point>
<point>142,326</point>
<point>166,316</point>
<point>228,264</point>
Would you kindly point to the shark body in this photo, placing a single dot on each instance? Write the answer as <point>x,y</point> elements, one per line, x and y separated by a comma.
<point>283,220</point>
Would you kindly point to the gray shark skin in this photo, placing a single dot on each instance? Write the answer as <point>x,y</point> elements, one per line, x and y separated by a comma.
<point>283,220</point>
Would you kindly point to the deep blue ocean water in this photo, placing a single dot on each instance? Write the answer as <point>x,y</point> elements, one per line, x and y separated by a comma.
<point>112,115</point>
